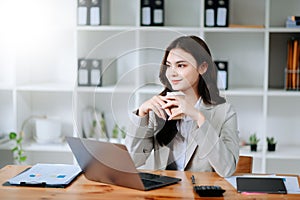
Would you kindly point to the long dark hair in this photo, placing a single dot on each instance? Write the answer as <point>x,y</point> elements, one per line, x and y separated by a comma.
<point>207,86</point>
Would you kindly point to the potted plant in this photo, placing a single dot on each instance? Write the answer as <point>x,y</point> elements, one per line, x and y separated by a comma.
<point>253,142</point>
<point>17,149</point>
<point>271,143</point>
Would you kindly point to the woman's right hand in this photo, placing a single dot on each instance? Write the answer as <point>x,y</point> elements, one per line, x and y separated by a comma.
<point>155,104</point>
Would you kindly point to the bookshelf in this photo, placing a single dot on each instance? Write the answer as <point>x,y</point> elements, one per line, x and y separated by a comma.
<point>254,45</point>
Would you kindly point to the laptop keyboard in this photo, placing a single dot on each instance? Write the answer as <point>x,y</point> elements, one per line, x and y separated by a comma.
<point>144,175</point>
<point>149,183</point>
<point>150,180</point>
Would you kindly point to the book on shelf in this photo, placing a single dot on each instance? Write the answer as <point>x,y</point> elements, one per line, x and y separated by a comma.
<point>292,81</point>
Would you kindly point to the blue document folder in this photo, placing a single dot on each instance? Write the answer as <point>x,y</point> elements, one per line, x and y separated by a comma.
<point>47,175</point>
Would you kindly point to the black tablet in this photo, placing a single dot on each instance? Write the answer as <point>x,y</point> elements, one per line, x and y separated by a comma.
<point>261,185</point>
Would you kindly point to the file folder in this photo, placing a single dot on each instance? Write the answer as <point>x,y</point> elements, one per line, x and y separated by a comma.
<point>222,77</point>
<point>46,175</point>
<point>210,7</point>
<point>83,73</point>
<point>95,12</point>
<point>82,13</point>
<point>158,13</point>
<point>145,13</point>
<point>222,13</point>
<point>95,73</point>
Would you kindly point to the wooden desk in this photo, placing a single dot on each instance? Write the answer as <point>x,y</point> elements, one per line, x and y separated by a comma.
<point>85,189</point>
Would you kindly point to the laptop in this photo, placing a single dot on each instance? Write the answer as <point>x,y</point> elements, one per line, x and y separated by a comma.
<point>111,163</point>
<point>261,185</point>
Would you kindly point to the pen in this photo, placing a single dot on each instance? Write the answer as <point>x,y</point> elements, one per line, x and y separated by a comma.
<point>193,179</point>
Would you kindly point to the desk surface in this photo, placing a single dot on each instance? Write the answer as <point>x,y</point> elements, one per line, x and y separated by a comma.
<point>85,189</point>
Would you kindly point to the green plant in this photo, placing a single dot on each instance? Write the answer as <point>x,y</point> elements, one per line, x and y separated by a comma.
<point>93,129</point>
<point>123,132</point>
<point>271,140</point>
<point>253,139</point>
<point>115,131</point>
<point>17,149</point>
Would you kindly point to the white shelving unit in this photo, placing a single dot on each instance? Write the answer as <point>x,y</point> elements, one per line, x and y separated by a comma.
<point>42,80</point>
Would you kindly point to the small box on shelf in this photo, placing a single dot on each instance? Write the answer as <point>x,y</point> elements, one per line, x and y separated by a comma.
<point>293,22</point>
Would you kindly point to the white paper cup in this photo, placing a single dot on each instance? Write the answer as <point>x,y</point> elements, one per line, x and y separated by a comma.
<point>176,94</point>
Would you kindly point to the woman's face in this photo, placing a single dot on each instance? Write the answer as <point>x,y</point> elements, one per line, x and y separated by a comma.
<point>182,71</point>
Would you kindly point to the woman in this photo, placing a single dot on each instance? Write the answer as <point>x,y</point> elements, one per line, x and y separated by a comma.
<point>206,137</point>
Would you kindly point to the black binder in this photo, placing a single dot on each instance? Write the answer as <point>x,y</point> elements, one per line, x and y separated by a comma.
<point>222,74</point>
<point>210,13</point>
<point>83,78</point>
<point>95,12</point>
<point>82,12</point>
<point>222,13</point>
<point>95,72</point>
<point>158,12</point>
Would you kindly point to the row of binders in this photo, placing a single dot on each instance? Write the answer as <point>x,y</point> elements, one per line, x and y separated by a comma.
<point>292,72</point>
<point>95,13</point>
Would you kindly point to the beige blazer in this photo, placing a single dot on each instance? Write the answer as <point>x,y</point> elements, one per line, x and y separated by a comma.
<point>212,147</point>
